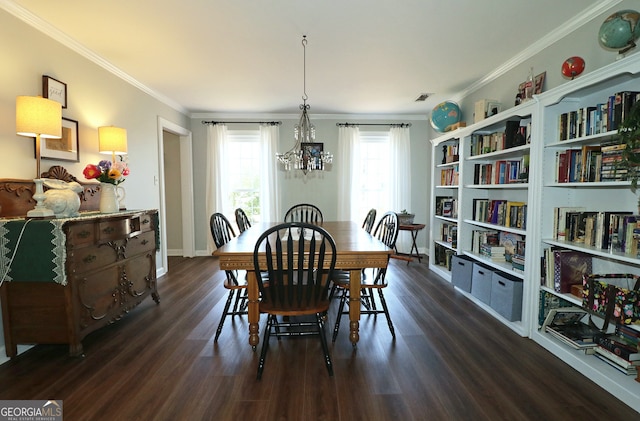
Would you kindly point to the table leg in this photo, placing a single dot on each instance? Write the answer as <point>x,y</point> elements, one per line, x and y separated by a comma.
<point>354,306</point>
<point>414,246</point>
<point>253,309</point>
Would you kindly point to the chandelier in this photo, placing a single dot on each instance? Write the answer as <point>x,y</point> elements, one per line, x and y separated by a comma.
<point>306,154</point>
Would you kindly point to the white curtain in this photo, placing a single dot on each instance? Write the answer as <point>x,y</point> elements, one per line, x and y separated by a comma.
<point>348,149</point>
<point>216,170</point>
<point>269,203</point>
<point>400,161</point>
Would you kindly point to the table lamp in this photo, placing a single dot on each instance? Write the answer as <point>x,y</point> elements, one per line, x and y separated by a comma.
<point>40,118</point>
<point>112,140</point>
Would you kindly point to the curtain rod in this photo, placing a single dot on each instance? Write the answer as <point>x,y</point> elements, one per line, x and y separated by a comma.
<point>373,124</point>
<point>271,123</point>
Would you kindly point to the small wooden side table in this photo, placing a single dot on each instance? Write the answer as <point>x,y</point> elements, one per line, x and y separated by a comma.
<point>414,229</point>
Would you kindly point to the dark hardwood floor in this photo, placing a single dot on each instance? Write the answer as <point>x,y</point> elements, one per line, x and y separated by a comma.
<point>450,361</point>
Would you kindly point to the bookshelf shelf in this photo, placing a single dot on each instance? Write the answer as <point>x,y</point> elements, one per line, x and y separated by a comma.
<point>446,245</point>
<point>594,251</point>
<point>591,184</point>
<point>505,153</point>
<point>514,186</point>
<point>495,227</point>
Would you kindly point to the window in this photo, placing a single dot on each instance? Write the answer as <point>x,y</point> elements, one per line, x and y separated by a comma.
<point>374,191</point>
<point>244,172</point>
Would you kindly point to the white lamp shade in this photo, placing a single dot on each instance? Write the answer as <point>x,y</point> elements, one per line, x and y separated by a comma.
<point>112,140</point>
<point>38,116</point>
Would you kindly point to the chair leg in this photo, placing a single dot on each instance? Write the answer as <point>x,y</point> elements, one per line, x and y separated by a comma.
<point>224,314</point>
<point>386,313</point>
<point>373,301</point>
<point>265,345</point>
<point>325,347</point>
<point>336,328</point>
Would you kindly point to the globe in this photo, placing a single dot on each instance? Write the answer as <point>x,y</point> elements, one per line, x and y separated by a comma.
<point>572,67</point>
<point>444,116</point>
<point>620,30</point>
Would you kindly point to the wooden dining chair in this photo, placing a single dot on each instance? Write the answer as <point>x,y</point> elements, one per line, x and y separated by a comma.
<point>387,232</point>
<point>304,212</point>
<point>242,220</point>
<point>222,232</point>
<point>369,220</point>
<point>298,259</point>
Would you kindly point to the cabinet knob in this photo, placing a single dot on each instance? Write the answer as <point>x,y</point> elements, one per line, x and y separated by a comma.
<point>84,234</point>
<point>89,258</point>
<point>108,230</point>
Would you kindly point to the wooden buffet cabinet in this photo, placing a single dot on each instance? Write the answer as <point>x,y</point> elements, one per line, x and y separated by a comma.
<point>72,276</point>
<point>110,268</point>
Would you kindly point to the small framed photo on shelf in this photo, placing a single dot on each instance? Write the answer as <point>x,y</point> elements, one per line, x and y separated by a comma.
<point>54,90</point>
<point>538,83</point>
<point>67,147</point>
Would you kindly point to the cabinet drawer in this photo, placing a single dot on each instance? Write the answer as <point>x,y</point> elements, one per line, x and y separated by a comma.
<point>80,234</point>
<point>140,244</point>
<point>92,257</point>
<point>113,229</point>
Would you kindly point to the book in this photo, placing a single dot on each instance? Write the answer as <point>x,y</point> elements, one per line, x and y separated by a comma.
<point>569,268</point>
<point>613,344</point>
<point>560,220</point>
<point>615,358</point>
<point>566,325</point>
<point>630,371</point>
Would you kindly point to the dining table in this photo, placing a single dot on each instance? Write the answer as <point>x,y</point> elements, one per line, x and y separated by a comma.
<point>356,249</point>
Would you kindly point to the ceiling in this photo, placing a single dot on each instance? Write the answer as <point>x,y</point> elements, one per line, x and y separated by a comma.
<point>246,56</point>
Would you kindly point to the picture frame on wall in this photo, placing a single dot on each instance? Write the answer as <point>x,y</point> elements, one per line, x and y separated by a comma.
<point>67,148</point>
<point>54,90</point>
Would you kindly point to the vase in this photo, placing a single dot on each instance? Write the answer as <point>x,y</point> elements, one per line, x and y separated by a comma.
<point>110,195</point>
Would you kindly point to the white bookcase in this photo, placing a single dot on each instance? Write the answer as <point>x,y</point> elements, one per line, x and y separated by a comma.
<point>443,187</point>
<point>587,90</point>
<point>468,190</point>
<point>542,194</point>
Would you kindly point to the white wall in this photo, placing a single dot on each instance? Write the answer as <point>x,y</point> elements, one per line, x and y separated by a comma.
<point>320,188</point>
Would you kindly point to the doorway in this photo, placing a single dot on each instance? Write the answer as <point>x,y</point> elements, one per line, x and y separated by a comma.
<point>178,142</point>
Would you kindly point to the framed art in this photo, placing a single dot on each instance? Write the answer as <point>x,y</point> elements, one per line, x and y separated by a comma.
<point>67,147</point>
<point>55,90</point>
<point>538,83</point>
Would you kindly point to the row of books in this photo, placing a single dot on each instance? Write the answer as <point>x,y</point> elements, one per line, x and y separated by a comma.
<point>449,234</point>
<point>450,153</point>
<point>507,213</point>
<point>443,256</point>
<point>498,245</point>
<point>616,231</point>
<point>450,176</point>
<point>598,118</point>
<point>563,269</point>
<point>517,133</point>
<point>502,172</point>
<point>446,206</point>
<point>618,349</point>
<point>591,163</point>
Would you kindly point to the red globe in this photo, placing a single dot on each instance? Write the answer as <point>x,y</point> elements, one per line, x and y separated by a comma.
<point>573,66</point>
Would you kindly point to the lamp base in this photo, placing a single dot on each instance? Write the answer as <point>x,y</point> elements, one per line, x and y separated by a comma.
<point>40,211</point>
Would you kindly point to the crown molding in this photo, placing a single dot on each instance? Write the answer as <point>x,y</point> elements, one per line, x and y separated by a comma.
<point>51,31</point>
<point>581,19</point>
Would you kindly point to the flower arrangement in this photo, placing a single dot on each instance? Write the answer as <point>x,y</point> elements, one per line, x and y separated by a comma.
<point>107,172</point>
